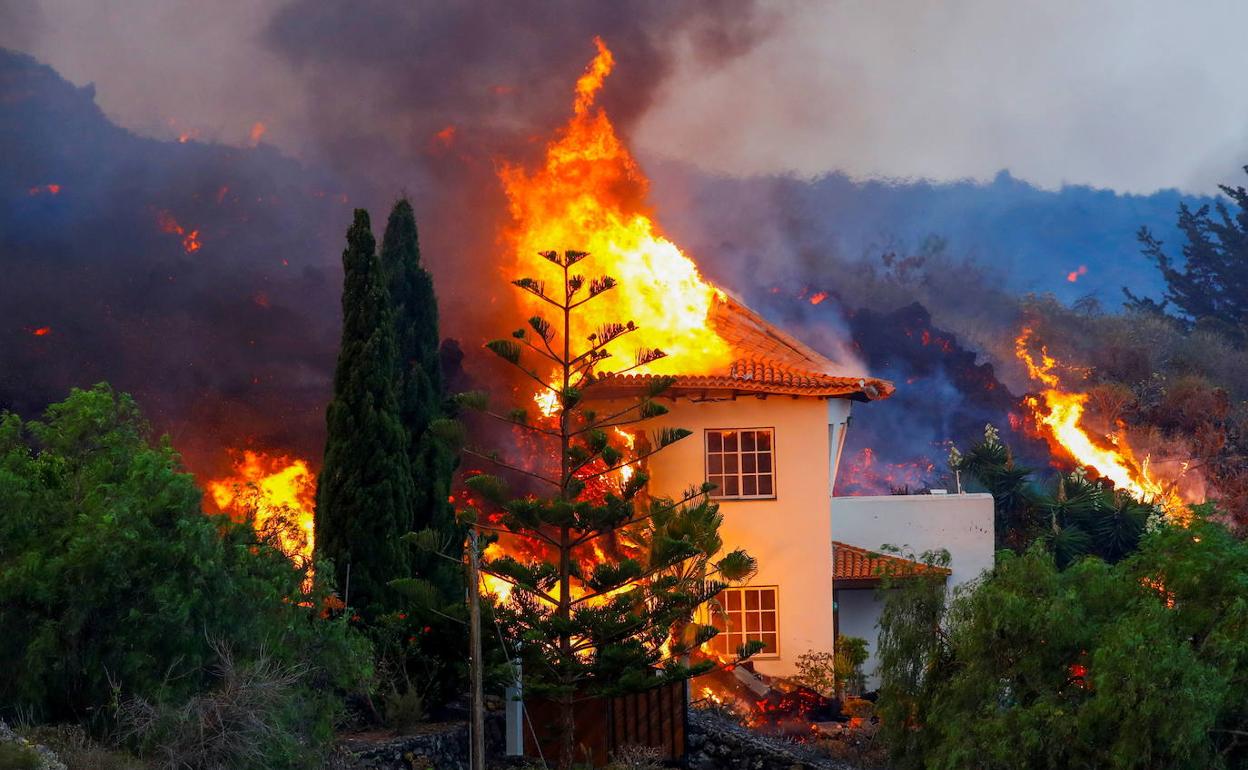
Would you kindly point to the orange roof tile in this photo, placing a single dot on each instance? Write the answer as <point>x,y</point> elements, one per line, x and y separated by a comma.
<point>857,567</point>
<point>770,361</point>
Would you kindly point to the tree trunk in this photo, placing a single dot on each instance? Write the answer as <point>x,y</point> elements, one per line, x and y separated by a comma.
<point>567,732</point>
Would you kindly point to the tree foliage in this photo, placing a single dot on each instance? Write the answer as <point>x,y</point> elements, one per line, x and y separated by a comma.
<point>1209,286</point>
<point>589,626</point>
<point>365,489</point>
<point>1137,664</point>
<point>114,585</point>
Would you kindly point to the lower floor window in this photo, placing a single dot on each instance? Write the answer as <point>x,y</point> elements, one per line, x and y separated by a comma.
<point>745,615</point>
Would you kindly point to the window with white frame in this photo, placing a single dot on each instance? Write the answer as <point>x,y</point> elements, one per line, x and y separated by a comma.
<point>746,615</point>
<point>741,463</point>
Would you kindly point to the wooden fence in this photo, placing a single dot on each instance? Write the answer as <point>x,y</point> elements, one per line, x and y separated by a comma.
<point>657,717</point>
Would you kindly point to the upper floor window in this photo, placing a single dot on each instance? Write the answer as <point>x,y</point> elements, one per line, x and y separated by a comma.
<point>741,463</point>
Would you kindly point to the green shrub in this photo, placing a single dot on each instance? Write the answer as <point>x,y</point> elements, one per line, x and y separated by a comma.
<point>114,584</point>
<point>15,756</point>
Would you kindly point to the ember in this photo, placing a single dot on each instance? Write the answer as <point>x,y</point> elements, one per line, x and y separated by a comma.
<point>190,240</point>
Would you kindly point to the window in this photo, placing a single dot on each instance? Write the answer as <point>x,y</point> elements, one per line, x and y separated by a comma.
<point>740,463</point>
<point>745,615</point>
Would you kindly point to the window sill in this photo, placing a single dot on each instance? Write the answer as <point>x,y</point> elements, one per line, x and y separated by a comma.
<point>738,499</point>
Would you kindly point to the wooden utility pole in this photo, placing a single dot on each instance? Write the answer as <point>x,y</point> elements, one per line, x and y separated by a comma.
<point>476,727</point>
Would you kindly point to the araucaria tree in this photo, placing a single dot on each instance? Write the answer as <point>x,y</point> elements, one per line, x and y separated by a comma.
<point>591,610</point>
<point>364,493</point>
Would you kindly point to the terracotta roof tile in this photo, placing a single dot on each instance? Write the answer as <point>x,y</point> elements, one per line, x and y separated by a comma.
<point>858,565</point>
<point>770,361</point>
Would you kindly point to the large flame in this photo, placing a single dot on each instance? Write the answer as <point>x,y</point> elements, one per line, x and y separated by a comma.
<point>276,493</point>
<point>590,195</point>
<point>1060,413</point>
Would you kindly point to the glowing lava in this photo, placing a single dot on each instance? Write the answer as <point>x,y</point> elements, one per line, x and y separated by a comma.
<point>590,195</point>
<point>190,239</point>
<point>274,492</point>
<point>1061,415</point>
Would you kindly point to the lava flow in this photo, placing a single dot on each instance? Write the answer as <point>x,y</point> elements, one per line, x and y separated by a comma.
<point>277,494</point>
<point>1060,412</point>
<point>589,194</point>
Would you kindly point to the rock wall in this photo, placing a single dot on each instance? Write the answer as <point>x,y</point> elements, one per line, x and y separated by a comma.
<point>716,743</point>
<point>437,747</point>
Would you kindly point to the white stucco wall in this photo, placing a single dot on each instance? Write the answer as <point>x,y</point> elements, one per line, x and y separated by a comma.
<point>961,524</point>
<point>790,535</point>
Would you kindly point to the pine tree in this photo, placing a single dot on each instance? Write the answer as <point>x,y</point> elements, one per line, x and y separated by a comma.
<point>582,626</point>
<point>363,495</point>
<point>1210,286</point>
<point>421,399</point>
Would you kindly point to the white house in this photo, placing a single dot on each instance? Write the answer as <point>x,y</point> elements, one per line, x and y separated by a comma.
<point>769,433</point>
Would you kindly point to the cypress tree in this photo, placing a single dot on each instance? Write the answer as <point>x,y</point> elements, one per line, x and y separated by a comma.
<point>421,399</point>
<point>363,495</point>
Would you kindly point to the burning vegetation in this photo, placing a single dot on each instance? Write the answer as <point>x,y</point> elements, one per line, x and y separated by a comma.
<point>276,494</point>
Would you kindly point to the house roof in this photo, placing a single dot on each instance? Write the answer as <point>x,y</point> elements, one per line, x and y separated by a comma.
<point>770,362</point>
<point>854,567</point>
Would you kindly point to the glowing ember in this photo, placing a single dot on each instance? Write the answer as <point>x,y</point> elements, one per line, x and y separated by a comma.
<point>589,194</point>
<point>818,297</point>
<point>41,331</point>
<point>190,240</point>
<point>1073,275</point>
<point>257,131</point>
<point>276,493</point>
<point>1061,413</point>
<point>48,189</point>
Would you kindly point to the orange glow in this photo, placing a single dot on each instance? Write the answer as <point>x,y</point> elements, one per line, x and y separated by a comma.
<point>818,297</point>
<point>190,239</point>
<point>1060,413</point>
<point>589,194</point>
<point>445,137</point>
<point>274,492</point>
<point>257,131</point>
<point>1073,275</point>
<point>50,189</point>
<point>42,331</point>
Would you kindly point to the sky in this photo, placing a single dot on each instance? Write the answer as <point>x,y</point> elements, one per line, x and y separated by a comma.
<point>1132,96</point>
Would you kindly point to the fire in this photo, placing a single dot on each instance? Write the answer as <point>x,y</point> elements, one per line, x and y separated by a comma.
<point>190,240</point>
<point>1061,414</point>
<point>257,132</point>
<point>41,331</point>
<point>818,297</point>
<point>277,493</point>
<point>590,194</point>
<point>50,189</point>
<point>1073,275</point>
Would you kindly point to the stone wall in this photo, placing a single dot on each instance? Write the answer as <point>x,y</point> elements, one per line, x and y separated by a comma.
<point>716,743</point>
<point>440,747</point>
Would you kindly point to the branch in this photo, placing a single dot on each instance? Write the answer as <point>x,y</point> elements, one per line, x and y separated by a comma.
<point>594,534</point>
<point>528,533</point>
<point>509,466</point>
<point>532,590</point>
<point>527,426</point>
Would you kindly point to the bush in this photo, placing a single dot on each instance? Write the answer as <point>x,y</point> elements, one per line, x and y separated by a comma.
<point>1138,664</point>
<point>73,746</point>
<point>16,756</point>
<point>113,582</point>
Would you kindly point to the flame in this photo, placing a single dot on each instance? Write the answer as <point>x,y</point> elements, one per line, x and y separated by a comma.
<point>818,297</point>
<point>1073,275</point>
<point>257,131</point>
<point>190,240</point>
<point>275,492</point>
<point>589,194</point>
<point>1061,414</point>
<point>41,331</point>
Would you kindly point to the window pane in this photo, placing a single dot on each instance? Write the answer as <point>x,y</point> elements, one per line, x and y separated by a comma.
<point>749,463</point>
<point>765,486</point>
<point>731,489</point>
<point>718,481</point>
<point>732,600</point>
<point>764,439</point>
<point>769,621</point>
<point>714,441</point>
<point>749,485</point>
<point>770,641</point>
<point>747,441</point>
<point>769,599</point>
<point>719,621</point>
<point>751,599</point>
<point>764,461</point>
<point>715,464</point>
<point>730,441</point>
<point>753,623</point>
<point>730,463</point>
